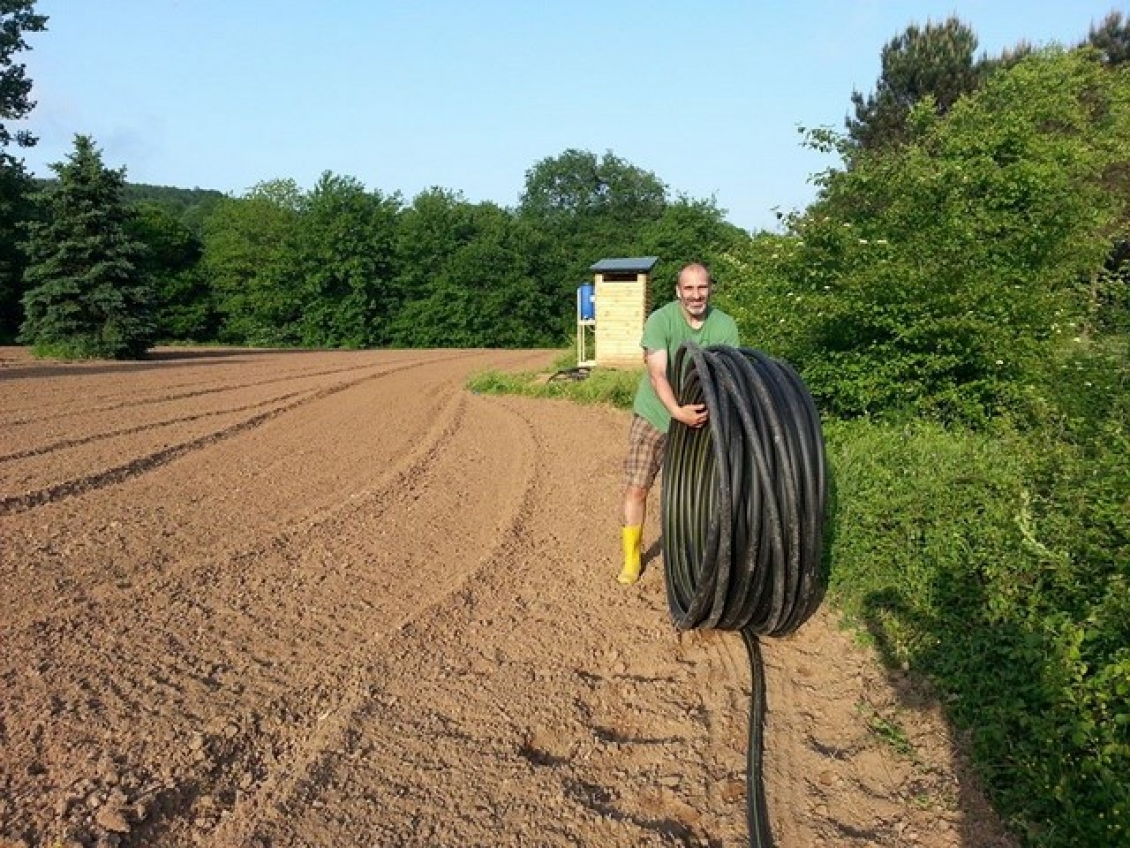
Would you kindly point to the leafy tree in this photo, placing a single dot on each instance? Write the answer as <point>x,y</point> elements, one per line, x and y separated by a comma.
<point>185,310</point>
<point>689,230</point>
<point>469,277</point>
<point>16,208</point>
<point>86,295</point>
<point>939,275</point>
<point>17,17</point>
<point>432,229</point>
<point>589,207</point>
<point>345,246</point>
<point>935,61</point>
<point>170,222</point>
<point>577,184</point>
<point>250,258</point>
<point>435,225</point>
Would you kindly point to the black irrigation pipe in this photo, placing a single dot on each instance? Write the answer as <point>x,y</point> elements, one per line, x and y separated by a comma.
<point>743,504</point>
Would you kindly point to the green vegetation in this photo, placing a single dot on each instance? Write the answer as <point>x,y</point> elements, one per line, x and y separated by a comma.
<point>995,565</point>
<point>957,299</point>
<point>888,730</point>
<point>601,385</point>
<point>944,275</point>
<point>341,266</point>
<point>935,61</point>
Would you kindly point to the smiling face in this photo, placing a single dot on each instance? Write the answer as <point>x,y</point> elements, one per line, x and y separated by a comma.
<point>693,292</point>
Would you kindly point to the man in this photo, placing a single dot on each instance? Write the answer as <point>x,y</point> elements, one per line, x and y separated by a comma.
<point>689,317</point>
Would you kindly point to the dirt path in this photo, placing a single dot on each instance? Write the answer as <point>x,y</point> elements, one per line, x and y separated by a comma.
<point>313,599</point>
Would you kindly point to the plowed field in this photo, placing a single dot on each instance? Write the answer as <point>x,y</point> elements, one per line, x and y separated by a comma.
<point>261,598</point>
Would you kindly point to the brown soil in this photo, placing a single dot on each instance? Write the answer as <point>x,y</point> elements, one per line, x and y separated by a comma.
<point>314,599</point>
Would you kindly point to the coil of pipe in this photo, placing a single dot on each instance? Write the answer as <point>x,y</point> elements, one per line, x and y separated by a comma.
<point>744,502</point>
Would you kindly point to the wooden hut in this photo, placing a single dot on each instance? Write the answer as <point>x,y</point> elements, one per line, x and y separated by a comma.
<point>622,304</point>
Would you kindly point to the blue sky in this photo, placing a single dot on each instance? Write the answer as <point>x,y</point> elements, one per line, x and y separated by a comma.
<point>470,94</point>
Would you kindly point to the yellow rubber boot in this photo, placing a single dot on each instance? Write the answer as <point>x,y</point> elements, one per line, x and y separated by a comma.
<point>631,571</point>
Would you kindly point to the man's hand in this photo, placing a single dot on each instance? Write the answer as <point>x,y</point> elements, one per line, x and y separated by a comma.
<point>694,415</point>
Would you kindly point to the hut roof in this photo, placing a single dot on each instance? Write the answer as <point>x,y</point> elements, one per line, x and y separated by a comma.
<point>625,265</point>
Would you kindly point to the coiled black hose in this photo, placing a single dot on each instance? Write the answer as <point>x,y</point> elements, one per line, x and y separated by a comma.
<point>743,507</point>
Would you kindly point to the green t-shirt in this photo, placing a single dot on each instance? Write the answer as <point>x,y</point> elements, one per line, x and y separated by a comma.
<point>667,328</point>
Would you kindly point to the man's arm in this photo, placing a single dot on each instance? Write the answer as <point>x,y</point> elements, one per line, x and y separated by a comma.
<point>693,414</point>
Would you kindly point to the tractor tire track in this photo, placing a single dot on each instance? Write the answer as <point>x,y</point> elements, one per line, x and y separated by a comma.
<point>144,464</point>
<point>47,414</point>
<point>79,441</point>
<point>268,811</point>
<point>43,412</point>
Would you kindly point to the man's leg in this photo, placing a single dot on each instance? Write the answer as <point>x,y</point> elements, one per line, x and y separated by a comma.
<point>635,505</point>
<point>635,511</point>
<point>645,454</point>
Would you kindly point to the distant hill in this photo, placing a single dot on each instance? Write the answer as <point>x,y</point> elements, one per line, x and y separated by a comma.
<point>181,199</point>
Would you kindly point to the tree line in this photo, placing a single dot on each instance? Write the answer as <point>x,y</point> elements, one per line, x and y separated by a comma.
<point>90,265</point>
<point>337,266</point>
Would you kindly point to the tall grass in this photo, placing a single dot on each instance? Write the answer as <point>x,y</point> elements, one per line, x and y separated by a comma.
<point>598,385</point>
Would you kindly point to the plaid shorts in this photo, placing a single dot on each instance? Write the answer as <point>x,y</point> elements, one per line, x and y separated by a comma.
<point>645,453</point>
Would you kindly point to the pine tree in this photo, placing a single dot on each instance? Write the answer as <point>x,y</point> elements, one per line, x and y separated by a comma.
<point>1112,39</point>
<point>936,60</point>
<point>85,295</point>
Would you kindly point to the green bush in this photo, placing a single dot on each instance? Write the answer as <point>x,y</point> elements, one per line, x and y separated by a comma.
<point>939,277</point>
<point>997,567</point>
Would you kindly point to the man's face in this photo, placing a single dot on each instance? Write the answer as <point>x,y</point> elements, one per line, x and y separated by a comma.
<point>693,291</point>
